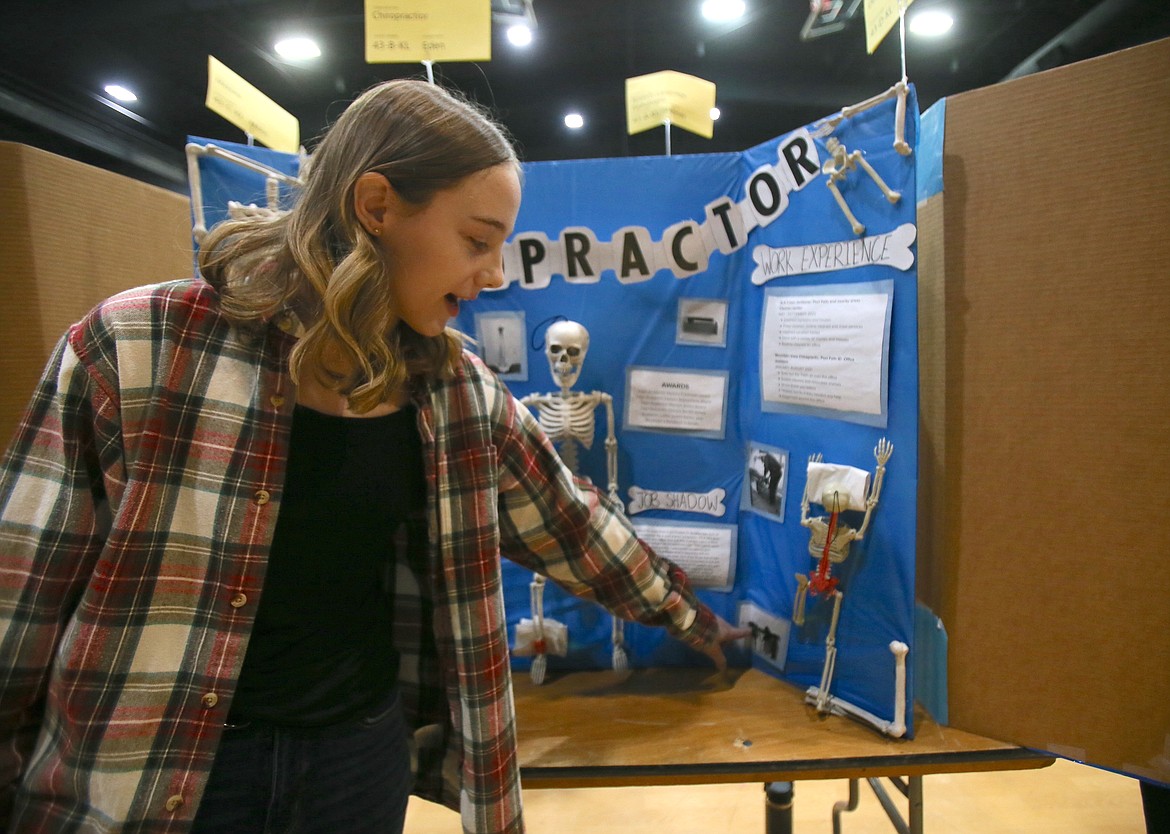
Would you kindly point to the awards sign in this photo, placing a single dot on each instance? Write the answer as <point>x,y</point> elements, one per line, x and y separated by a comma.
<point>404,31</point>
<point>668,96</point>
<point>880,17</point>
<point>250,110</point>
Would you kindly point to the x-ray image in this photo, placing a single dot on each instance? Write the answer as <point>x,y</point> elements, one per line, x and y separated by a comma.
<point>501,343</point>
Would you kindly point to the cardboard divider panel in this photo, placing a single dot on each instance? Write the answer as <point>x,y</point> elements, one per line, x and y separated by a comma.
<point>70,235</point>
<point>1046,455</point>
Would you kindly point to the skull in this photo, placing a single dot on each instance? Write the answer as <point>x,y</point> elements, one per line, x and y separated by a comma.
<point>565,345</point>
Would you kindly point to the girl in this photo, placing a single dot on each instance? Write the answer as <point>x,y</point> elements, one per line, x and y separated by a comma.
<point>250,525</point>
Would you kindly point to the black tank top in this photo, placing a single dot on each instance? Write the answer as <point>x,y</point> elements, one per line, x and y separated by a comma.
<point>321,651</point>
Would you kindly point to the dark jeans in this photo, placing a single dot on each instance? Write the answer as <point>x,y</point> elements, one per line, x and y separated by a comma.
<point>353,778</point>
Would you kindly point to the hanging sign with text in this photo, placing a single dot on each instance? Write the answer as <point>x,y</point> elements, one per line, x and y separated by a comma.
<point>668,96</point>
<point>880,17</point>
<point>229,95</point>
<point>405,31</point>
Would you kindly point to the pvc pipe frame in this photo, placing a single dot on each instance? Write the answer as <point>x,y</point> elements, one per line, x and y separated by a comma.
<point>273,179</point>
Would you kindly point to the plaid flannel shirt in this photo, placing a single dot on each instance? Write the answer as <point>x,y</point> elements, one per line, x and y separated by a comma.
<point>137,505</point>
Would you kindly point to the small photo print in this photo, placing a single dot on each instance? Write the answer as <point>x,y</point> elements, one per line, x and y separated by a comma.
<point>765,481</point>
<point>501,343</point>
<point>769,638</point>
<point>702,321</point>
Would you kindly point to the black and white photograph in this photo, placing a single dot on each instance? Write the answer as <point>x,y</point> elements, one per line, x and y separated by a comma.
<point>768,642</point>
<point>765,481</point>
<point>702,321</point>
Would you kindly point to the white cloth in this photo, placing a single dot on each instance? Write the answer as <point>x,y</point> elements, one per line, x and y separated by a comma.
<point>556,638</point>
<point>850,483</point>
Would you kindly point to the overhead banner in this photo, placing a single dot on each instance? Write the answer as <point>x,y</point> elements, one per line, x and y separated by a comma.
<point>741,329</point>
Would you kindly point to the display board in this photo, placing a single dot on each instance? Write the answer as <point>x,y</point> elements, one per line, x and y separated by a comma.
<point>735,315</point>
<point>690,336</point>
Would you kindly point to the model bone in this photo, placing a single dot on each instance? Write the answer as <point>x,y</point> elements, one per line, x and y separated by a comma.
<point>898,727</point>
<point>841,163</point>
<point>898,91</point>
<point>568,417</point>
<point>830,540</point>
<point>566,344</point>
<point>837,706</point>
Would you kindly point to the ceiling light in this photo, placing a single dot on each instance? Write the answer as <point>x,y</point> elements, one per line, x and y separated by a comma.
<point>121,93</point>
<point>520,34</point>
<point>574,121</point>
<point>931,23</point>
<point>722,11</point>
<point>517,18</point>
<point>298,49</point>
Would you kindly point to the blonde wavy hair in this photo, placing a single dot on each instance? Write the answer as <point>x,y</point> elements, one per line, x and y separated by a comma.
<point>318,262</point>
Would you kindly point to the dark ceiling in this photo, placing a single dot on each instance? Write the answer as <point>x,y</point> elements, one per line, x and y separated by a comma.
<point>55,58</point>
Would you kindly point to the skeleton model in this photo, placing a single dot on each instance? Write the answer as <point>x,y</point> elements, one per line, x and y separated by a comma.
<point>568,418</point>
<point>898,91</point>
<point>838,167</point>
<point>839,489</point>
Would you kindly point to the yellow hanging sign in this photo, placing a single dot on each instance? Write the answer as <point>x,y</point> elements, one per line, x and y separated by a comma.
<point>250,110</point>
<point>405,31</point>
<point>880,17</point>
<point>681,99</point>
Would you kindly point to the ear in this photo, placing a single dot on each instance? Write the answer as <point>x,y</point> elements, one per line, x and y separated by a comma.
<point>373,197</point>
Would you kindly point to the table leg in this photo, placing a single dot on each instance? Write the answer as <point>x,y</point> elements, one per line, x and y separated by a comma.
<point>912,788</point>
<point>778,798</point>
<point>916,808</point>
<point>888,805</point>
<point>840,808</point>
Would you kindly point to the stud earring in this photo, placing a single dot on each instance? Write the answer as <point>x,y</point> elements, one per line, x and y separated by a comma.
<point>376,232</point>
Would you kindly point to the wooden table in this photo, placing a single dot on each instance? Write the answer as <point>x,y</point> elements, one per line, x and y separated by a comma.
<point>695,726</point>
